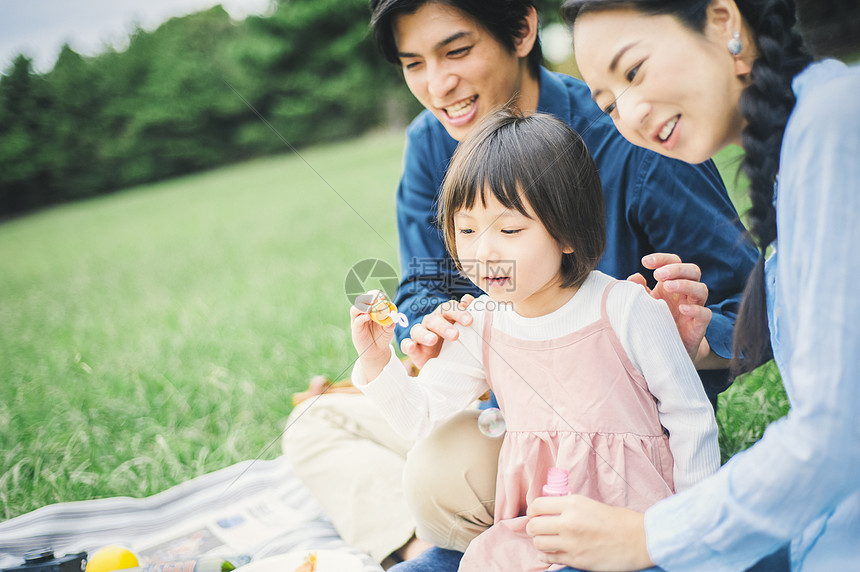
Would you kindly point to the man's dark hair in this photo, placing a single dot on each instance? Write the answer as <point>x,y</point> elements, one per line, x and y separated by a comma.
<point>504,19</point>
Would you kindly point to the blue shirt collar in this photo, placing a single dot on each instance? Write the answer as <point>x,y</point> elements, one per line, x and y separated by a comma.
<point>816,74</point>
<point>553,97</point>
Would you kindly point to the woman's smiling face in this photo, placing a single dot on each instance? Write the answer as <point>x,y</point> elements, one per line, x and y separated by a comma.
<point>667,88</point>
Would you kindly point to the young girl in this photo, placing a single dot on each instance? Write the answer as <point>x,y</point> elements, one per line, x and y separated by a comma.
<point>589,372</point>
<point>686,79</point>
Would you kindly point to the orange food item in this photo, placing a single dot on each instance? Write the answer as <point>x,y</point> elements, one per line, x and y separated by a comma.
<point>310,563</point>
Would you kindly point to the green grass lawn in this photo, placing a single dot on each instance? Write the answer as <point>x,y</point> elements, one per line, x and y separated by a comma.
<point>157,334</point>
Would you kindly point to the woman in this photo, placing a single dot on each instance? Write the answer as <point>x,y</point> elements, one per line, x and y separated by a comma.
<point>686,78</point>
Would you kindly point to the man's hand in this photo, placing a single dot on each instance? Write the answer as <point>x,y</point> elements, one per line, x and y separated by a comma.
<point>679,285</point>
<point>426,338</point>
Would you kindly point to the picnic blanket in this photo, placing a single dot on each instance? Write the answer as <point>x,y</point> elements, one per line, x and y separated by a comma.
<point>256,508</point>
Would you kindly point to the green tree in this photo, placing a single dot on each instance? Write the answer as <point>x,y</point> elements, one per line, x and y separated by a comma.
<point>186,96</point>
<point>75,127</point>
<point>24,170</point>
<point>174,114</point>
<point>316,74</point>
<point>831,27</point>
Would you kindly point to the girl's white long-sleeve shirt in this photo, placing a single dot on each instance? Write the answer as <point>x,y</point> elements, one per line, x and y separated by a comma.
<point>456,378</point>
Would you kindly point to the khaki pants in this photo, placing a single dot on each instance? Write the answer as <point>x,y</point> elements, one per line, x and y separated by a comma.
<point>379,489</point>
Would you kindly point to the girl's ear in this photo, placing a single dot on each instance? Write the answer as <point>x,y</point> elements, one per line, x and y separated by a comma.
<point>724,20</point>
<point>567,250</point>
<point>524,43</point>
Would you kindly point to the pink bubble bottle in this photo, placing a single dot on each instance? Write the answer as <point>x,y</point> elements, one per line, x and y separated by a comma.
<point>556,483</point>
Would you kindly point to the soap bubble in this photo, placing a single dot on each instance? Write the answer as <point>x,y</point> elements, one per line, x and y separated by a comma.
<point>491,422</point>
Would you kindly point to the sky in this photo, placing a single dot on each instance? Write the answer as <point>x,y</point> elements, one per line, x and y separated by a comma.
<point>39,28</point>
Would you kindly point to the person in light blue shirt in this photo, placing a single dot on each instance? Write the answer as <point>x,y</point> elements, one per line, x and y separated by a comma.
<point>685,79</point>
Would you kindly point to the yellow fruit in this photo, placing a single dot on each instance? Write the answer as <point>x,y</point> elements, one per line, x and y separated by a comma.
<point>111,558</point>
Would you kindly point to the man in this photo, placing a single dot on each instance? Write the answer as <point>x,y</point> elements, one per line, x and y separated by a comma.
<point>462,59</point>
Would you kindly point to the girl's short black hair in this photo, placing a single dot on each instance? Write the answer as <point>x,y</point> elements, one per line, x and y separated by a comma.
<point>534,160</point>
<point>502,18</point>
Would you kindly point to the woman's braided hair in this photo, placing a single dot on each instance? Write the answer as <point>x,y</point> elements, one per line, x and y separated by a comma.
<point>766,103</point>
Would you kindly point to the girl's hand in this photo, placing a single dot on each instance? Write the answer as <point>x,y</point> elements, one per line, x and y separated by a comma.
<point>426,338</point>
<point>371,341</point>
<point>580,532</point>
<point>679,285</point>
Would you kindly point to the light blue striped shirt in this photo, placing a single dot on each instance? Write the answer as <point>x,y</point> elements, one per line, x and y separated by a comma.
<point>801,481</point>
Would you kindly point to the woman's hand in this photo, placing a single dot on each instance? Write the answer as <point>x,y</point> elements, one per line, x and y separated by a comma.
<point>371,341</point>
<point>426,338</point>
<point>580,532</point>
<point>679,285</point>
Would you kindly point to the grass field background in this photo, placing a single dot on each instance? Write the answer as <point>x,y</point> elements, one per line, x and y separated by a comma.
<point>157,334</point>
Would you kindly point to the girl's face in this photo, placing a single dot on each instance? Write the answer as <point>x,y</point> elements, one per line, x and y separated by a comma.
<point>511,257</point>
<point>667,88</point>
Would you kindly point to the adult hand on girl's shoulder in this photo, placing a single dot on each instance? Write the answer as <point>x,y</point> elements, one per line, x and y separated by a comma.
<point>679,285</point>
<point>577,531</point>
<point>426,338</point>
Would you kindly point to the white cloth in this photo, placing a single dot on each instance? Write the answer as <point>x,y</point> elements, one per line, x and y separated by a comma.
<point>86,526</point>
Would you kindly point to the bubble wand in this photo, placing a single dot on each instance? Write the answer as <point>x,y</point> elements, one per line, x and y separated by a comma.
<point>380,309</point>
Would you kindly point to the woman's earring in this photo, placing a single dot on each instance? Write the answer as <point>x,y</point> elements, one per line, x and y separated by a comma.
<point>735,45</point>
